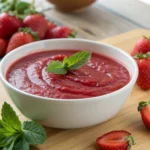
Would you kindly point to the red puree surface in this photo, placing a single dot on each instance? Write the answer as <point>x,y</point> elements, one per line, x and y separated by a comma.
<point>101,75</point>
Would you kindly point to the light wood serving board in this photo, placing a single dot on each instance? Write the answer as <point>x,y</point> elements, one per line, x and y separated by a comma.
<point>127,119</point>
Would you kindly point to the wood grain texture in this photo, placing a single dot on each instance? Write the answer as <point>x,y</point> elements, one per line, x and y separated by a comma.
<point>95,22</point>
<point>127,119</point>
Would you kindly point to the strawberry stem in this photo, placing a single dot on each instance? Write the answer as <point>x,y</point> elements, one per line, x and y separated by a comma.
<point>30,31</point>
<point>148,38</point>
<point>130,141</point>
<point>73,34</point>
<point>142,56</point>
<point>142,105</point>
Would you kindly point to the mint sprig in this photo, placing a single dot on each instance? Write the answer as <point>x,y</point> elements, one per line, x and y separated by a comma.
<point>73,62</point>
<point>17,136</point>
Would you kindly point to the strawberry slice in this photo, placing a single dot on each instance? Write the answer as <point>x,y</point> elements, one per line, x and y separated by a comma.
<point>116,140</point>
<point>144,108</point>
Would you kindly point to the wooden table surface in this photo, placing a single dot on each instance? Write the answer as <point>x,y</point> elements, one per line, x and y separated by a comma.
<point>94,22</point>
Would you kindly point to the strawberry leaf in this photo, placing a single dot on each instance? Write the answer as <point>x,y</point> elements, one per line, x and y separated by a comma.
<point>30,31</point>
<point>21,6</point>
<point>142,56</point>
<point>73,34</point>
<point>130,141</point>
<point>142,105</point>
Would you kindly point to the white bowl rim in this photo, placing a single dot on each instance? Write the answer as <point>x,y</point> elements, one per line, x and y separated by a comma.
<point>132,81</point>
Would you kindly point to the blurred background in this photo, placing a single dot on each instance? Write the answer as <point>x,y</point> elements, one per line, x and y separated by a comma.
<point>102,19</point>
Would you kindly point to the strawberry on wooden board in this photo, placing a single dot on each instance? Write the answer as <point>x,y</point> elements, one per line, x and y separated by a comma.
<point>116,140</point>
<point>3,47</point>
<point>141,46</point>
<point>60,32</point>
<point>8,25</point>
<point>37,23</point>
<point>144,108</point>
<point>24,36</point>
<point>143,61</point>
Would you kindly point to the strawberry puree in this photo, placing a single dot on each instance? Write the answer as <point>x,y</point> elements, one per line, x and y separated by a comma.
<point>101,75</point>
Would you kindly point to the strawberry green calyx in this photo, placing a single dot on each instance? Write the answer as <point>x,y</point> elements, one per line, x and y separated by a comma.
<point>130,141</point>
<point>148,38</point>
<point>30,31</point>
<point>142,105</point>
<point>73,34</point>
<point>142,56</point>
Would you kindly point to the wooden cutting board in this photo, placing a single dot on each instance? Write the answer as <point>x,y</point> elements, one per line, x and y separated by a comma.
<point>127,119</point>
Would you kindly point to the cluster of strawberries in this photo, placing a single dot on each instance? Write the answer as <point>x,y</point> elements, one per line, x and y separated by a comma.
<point>141,53</point>
<point>123,140</point>
<point>16,31</point>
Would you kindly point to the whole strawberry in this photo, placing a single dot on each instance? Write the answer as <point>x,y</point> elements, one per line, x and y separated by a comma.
<point>51,26</point>
<point>143,61</point>
<point>144,108</point>
<point>3,47</point>
<point>142,46</point>
<point>8,25</point>
<point>60,32</point>
<point>115,140</point>
<point>37,23</point>
<point>24,36</point>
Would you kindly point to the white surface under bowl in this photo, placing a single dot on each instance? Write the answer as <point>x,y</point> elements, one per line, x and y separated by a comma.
<point>74,113</point>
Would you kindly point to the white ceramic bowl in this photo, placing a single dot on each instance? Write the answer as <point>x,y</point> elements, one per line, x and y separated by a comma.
<point>74,113</point>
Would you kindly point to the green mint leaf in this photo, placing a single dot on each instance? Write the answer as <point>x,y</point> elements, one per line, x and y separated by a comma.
<point>34,133</point>
<point>9,117</point>
<point>78,60</point>
<point>8,127</point>
<point>21,6</point>
<point>6,141</point>
<point>56,67</point>
<point>10,147</point>
<point>22,144</point>
<point>75,61</point>
<point>6,133</point>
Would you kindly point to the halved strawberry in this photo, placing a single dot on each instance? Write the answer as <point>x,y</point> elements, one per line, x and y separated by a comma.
<point>116,140</point>
<point>144,108</point>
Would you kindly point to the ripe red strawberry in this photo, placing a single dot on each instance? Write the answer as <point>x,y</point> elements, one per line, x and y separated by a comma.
<point>143,61</point>
<point>24,36</point>
<point>144,108</point>
<point>37,23</point>
<point>61,32</point>
<point>142,46</point>
<point>8,25</point>
<point>116,140</point>
<point>51,25</point>
<point>3,47</point>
